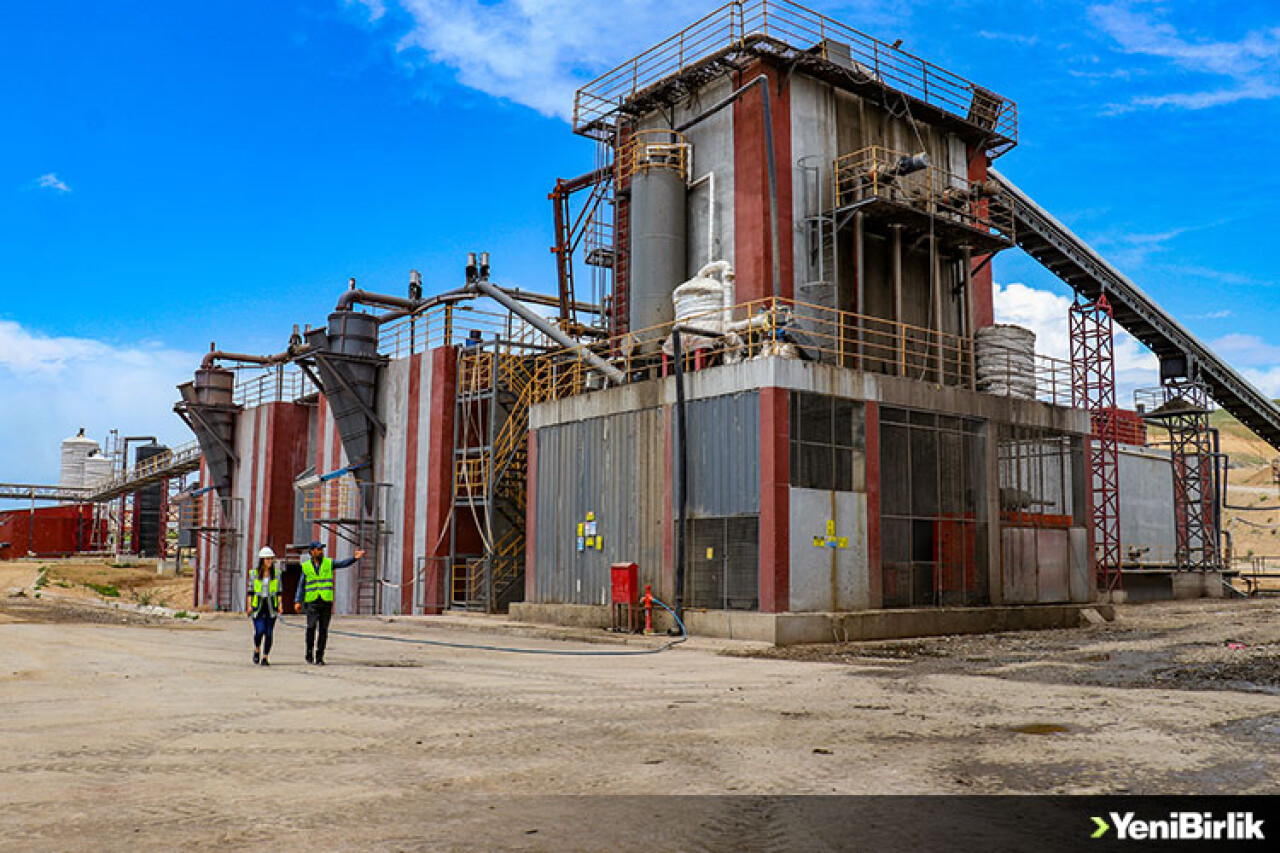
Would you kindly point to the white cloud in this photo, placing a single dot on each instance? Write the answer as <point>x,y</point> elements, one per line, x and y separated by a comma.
<point>1248,350</point>
<point>1046,314</point>
<point>1245,69</point>
<point>55,385</point>
<point>538,53</point>
<point>1265,380</point>
<point>50,181</point>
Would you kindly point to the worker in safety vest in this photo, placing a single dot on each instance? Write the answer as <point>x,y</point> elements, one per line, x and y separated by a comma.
<point>315,592</point>
<point>263,604</point>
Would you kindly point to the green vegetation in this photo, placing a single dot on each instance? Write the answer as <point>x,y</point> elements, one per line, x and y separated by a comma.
<point>42,579</point>
<point>105,590</point>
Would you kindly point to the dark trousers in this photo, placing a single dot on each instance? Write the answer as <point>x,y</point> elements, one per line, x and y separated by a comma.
<point>263,628</point>
<point>318,615</point>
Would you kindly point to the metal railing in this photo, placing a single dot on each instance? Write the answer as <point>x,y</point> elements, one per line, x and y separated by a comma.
<point>333,500</point>
<point>168,463</point>
<point>881,173</point>
<point>277,385</point>
<point>787,328</point>
<point>447,325</point>
<point>789,30</point>
<point>653,149</point>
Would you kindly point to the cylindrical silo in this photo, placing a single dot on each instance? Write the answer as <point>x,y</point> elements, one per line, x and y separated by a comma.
<point>658,240</point>
<point>75,451</point>
<point>97,469</point>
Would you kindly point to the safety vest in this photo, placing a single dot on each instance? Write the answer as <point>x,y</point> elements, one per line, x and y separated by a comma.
<point>319,580</point>
<point>272,591</point>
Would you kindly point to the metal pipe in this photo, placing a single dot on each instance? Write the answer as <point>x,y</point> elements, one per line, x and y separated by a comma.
<point>214,355</point>
<point>682,470</point>
<point>381,300</point>
<point>769,158</point>
<point>860,288</point>
<point>499,295</point>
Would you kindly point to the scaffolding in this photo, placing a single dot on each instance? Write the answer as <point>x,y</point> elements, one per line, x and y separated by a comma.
<point>1093,388</point>
<point>1181,407</point>
<point>495,388</point>
<point>215,520</point>
<point>356,511</point>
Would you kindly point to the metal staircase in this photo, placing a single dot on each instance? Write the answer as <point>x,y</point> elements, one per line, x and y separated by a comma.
<point>496,387</point>
<point>1181,353</point>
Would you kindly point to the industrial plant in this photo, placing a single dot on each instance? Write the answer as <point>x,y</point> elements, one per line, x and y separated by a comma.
<point>770,386</point>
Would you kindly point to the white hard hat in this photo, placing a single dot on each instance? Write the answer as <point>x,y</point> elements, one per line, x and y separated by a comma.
<point>266,552</point>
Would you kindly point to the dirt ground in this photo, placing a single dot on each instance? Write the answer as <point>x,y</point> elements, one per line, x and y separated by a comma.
<point>144,733</point>
<point>95,579</point>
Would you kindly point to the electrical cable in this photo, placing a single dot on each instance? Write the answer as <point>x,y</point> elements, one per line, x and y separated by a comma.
<point>515,650</point>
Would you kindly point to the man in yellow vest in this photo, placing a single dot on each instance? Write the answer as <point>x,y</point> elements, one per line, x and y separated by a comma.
<point>315,591</point>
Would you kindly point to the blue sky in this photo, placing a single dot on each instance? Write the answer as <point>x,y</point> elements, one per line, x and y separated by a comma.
<point>178,173</point>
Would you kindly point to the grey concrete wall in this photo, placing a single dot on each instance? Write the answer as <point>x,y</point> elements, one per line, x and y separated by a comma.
<point>827,123</point>
<point>392,462</point>
<point>779,372</point>
<point>711,152</point>
<point>1146,503</point>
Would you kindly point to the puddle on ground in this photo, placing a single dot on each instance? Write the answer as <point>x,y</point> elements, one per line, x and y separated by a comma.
<point>1040,729</point>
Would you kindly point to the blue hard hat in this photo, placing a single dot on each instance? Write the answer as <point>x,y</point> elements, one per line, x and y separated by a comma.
<point>315,543</point>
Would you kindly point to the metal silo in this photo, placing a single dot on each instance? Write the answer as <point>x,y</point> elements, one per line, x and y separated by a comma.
<point>75,451</point>
<point>347,360</point>
<point>211,402</point>
<point>655,162</point>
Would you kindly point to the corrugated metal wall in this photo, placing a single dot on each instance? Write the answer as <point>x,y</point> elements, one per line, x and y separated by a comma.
<point>615,467</point>
<point>612,467</point>
<point>724,456</point>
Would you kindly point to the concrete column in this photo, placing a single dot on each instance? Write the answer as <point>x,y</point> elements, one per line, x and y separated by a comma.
<point>875,559</point>
<point>775,501</point>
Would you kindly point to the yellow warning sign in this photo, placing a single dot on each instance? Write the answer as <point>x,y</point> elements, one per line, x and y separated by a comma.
<point>711,553</point>
<point>831,528</point>
<point>819,542</point>
<point>842,542</point>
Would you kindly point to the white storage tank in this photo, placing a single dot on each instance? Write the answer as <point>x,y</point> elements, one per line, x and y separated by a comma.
<point>704,302</point>
<point>75,451</point>
<point>1006,361</point>
<point>97,469</point>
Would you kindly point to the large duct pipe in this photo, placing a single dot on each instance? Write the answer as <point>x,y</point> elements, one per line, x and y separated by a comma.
<point>497,294</point>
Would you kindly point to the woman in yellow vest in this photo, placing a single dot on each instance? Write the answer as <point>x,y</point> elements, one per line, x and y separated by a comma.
<point>263,604</point>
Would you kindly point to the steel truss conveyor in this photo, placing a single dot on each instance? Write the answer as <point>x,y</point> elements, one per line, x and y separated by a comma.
<point>1181,353</point>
